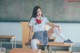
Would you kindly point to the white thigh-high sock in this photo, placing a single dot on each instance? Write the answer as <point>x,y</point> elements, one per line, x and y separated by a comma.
<point>62,36</point>
<point>34,44</point>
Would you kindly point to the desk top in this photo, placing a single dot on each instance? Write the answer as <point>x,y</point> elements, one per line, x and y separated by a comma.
<point>6,36</point>
<point>49,43</point>
<point>23,50</point>
<point>59,44</point>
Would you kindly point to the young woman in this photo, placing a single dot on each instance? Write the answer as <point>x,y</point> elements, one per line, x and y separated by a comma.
<point>37,25</point>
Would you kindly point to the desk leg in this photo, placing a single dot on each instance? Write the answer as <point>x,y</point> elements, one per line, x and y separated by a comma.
<point>50,49</point>
<point>46,49</point>
<point>15,42</point>
<point>12,42</point>
<point>1,44</point>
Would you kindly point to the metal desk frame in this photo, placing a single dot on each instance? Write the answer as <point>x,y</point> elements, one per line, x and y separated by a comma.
<point>12,40</point>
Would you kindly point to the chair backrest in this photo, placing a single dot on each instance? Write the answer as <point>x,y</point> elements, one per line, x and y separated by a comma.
<point>25,33</point>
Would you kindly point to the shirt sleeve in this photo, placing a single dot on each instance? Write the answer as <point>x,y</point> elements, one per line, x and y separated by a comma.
<point>46,20</point>
<point>31,22</point>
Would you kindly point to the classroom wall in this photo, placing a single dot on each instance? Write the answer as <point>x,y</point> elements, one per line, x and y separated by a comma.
<point>71,30</point>
<point>11,28</point>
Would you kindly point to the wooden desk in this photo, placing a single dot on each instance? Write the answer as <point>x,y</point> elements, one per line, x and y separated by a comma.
<point>59,44</point>
<point>13,41</point>
<point>51,44</point>
<point>23,50</point>
<point>6,36</point>
<point>56,44</point>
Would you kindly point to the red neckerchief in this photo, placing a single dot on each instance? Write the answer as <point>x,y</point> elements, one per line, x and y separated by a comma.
<point>38,21</point>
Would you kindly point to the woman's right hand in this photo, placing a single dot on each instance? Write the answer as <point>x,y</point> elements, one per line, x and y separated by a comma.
<point>28,43</point>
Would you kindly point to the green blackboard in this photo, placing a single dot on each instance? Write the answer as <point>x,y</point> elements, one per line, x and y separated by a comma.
<point>54,10</point>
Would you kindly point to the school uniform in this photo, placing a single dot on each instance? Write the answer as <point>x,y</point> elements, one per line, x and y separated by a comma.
<point>39,31</point>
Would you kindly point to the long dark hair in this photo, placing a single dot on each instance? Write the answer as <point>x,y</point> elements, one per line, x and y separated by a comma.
<point>34,13</point>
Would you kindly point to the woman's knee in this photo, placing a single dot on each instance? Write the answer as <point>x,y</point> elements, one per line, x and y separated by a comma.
<point>33,41</point>
<point>36,41</point>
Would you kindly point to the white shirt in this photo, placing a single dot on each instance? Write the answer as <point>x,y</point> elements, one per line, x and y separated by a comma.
<point>38,27</point>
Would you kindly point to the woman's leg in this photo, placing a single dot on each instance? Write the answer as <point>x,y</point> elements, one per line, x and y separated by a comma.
<point>62,36</point>
<point>59,33</point>
<point>34,43</point>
